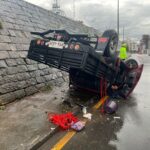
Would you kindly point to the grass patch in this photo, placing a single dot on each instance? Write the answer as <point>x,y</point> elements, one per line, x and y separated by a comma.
<point>47,88</point>
<point>1,26</point>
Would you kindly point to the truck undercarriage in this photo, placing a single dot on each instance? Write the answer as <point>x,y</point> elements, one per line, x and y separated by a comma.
<point>91,62</point>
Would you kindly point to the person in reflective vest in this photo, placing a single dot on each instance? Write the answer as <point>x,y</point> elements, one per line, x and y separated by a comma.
<point>123,52</point>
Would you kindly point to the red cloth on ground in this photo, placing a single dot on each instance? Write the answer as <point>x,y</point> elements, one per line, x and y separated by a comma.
<point>63,120</point>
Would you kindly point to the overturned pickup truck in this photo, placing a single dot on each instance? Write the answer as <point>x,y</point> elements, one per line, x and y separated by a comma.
<point>91,62</point>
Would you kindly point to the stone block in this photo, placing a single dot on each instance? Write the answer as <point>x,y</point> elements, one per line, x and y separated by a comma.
<point>3,72</point>
<point>4,46</point>
<point>36,73</point>
<point>31,90</point>
<point>48,77</point>
<point>5,39</point>
<point>32,67</point>
<point>23,76</point>
<point>23,54</point>
<point>20,61</point>
<point>11,62</point>
<point>40,80</point>
<point>54,76</point>
<point>8,25</point>
<point>16,27</point>
<point>15,40</point>
<point>7,98</point>
<point>19,46</point>
<point>19,94</point>
<point>11,32</point>
<point>19,33</point>
<point>8,79</point>
<point>1,80</point>
<point>8,87</point>
<point>40,86</point>
<point>59,81</point>
<point>25,47</point>
<point>13,47</point>
<point>22,85</point>
<point>4,32</point>
<point>4,55</point>
<point>45,72</point>
<point>29,61</point>
<point>11,70</point>
<point>42,66</point>
<point>2,64</point>
<point>31,81</point>
<point>14,54</point>
<point>59,74</point>
<point>22,68</point>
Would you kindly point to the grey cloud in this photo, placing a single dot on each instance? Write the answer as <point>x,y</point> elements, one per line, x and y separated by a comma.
<point>132,17</point>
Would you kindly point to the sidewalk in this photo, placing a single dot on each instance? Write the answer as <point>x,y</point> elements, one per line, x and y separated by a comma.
<point>24,123</point>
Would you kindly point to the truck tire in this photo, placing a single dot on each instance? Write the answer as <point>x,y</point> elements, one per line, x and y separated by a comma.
<point>110,50</point>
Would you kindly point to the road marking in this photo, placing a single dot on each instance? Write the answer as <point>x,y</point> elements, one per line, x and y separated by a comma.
<point>64,140</point>
<point>102,100</point>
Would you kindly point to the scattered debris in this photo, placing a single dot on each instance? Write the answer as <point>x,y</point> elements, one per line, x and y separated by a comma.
<point>108,119</point>
<point>84,110</point>
<point>78,126</point>
<point>52,129</point>
<point>110,106</point>
<point>88,116</point>
<point>63,120</point>
<point>117,117</point>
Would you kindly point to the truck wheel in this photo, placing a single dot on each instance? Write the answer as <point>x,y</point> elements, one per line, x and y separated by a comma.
<point>111,47</point>
<point>132,64</point>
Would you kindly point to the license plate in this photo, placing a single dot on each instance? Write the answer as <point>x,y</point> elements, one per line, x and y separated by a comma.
<point>55,44</point>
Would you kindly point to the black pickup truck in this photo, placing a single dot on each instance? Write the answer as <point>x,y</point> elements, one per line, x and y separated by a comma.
<point>91,62</point>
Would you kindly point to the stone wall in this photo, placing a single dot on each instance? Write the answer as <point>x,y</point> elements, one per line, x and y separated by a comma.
<point>20,76</point>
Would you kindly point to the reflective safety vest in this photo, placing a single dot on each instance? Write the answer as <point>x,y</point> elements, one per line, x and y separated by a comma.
<point>123,53</point>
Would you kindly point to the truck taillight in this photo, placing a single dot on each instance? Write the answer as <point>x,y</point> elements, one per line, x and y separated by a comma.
<point>77,47</point>
<point>71,46</point>
<point>40,42</point>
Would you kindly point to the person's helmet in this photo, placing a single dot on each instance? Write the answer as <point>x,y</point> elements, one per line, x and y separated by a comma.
<point>124,45</point>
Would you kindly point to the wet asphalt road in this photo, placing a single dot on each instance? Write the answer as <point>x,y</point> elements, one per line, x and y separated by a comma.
<point>131,131</point>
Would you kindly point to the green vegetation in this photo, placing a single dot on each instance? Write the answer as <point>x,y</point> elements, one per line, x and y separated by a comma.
<point>47,88</point>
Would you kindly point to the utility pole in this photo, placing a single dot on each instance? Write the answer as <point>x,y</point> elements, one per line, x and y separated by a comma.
<point>118,17</point>
<point>123,34</point>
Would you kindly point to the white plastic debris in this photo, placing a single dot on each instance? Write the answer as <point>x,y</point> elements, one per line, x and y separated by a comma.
<point>52,128</point>
<point>84,110</point>
<point>116,117</point>
<point>88,116</point>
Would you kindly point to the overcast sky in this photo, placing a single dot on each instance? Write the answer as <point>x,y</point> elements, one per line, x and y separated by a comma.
<point>102,14</point>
